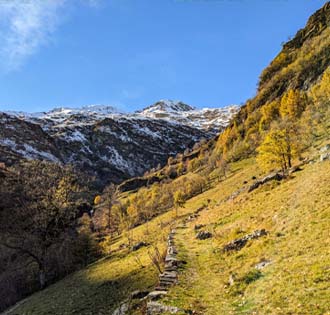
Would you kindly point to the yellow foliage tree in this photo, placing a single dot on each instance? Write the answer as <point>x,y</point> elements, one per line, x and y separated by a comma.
<point>278,149</point>
<point>179,200</point>
<point>293,103</point>
<point>269,112</point>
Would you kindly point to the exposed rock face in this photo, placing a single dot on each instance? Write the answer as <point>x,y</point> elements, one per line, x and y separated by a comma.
<point>109,145</point>
<point>241,242</point>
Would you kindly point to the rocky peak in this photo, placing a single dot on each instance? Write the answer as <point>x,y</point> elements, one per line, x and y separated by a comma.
<point>167,106</point>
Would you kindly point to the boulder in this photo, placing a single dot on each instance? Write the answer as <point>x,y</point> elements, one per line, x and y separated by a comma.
<point>203,235</point>
<point>139,245</point>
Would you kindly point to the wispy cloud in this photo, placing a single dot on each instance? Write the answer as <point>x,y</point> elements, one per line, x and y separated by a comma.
<point>26,25</point>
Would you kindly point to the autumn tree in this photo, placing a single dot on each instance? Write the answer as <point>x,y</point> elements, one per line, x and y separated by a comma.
<point>293,103</point>
<point>109,199</point>
<point>320,96</point>
<point>222,167</point>
<point>279,148</point>
<point>179,201</point>
<point>269,112</point>
<point>39,210</point>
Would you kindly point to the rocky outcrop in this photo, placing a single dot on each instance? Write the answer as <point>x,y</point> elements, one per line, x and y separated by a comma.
<point>239,243</point>
<point>268,178</point>
<point>203,235</point>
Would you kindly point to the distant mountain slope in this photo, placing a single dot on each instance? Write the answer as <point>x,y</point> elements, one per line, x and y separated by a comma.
<point>104,142</point>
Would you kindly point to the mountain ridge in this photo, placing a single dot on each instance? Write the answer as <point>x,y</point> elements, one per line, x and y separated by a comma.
<point>100,140</point>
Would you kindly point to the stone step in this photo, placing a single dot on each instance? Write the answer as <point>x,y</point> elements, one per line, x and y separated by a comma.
<point>167,281</point>
<point>170,269</point>
<point>171,274</point>
<point>154,295</point>
<point>161,288</point>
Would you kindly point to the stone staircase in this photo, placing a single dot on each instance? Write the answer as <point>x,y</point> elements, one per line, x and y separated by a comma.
<point>168,278</point>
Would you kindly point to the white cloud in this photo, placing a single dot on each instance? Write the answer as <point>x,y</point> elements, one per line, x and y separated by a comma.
<point>26,25</point>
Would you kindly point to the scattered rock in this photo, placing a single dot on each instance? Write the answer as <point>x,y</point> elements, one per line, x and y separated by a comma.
<point>139,294</point>
<point>199,226</point>
<point>324,157</point>
<point>139,245</point>
<point>123,246</point>
<point>231,280</point>
<point>154,308</point>
<point>241,242</point>
<point>325,153</point>
<point>262,264</point>
<point>203,235</point>
<point>191,218</point>
<point>325,148</point>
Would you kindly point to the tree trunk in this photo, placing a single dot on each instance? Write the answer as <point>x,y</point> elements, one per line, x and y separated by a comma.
<point>42,278</point>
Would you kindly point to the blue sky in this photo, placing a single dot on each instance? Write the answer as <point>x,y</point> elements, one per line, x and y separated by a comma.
<point>131,53</point>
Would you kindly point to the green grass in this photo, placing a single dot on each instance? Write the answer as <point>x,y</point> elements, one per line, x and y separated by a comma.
<point>296,213</point>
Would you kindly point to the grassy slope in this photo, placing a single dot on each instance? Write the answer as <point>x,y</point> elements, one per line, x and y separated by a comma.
<point>101,287</point>
<point>295,212</point>
<point>297,215</point>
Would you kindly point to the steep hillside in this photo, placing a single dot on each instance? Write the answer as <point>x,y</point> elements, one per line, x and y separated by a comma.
<point>101,141</point>
<point>284,272</point>
<point>296,69</point>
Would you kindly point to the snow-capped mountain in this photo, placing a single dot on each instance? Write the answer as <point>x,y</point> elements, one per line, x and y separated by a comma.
<point>105,142</point>
<point>210,119</point>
